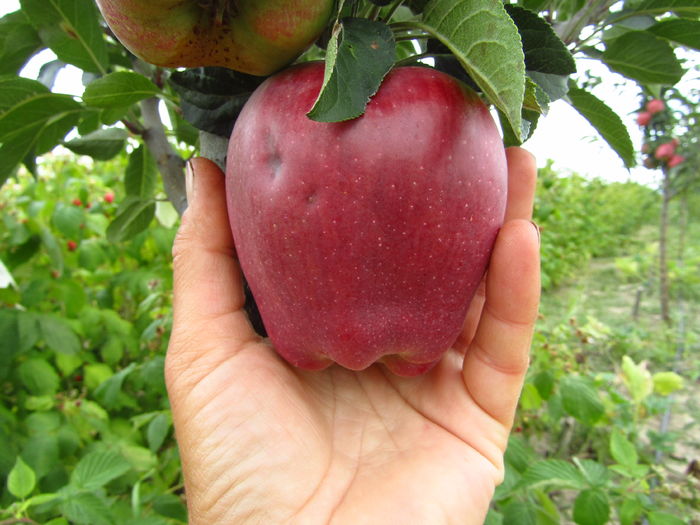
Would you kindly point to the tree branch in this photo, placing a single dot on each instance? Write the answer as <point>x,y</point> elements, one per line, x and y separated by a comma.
<point>170,164</point>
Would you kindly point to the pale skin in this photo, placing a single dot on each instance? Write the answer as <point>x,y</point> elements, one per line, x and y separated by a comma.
<point>263,442</point>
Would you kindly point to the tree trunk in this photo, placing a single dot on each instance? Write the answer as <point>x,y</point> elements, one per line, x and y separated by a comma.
<point>663,250</point>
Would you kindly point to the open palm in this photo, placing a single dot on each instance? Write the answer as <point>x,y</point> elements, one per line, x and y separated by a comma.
<point>263,442</point>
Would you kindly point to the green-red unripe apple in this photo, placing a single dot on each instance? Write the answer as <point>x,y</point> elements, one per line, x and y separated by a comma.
<point>253,36</point>
<point>365,240</point>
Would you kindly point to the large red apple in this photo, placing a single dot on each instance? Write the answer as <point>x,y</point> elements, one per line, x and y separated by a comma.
<point>365,240</point>
<point>253,36</point>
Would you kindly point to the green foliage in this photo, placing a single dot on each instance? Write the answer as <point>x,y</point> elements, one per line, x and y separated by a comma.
<point>83,409</point>
<point>580,219</point>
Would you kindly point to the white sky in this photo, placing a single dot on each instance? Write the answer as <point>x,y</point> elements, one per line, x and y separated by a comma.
<point>562,135</point>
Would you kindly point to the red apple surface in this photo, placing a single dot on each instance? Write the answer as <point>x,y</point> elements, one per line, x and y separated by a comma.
<point>365,240</point>
<point>252,36</point>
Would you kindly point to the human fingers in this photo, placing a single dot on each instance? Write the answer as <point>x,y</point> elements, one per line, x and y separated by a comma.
<point>208,297</point>
<point>497,357</point>
<point>522,181</point>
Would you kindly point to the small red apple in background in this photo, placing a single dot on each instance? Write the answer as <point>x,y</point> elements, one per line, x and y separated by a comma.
<point>77,202</point>
<point>655,106</point>
<point>675,160</point>
<point>643,118</point>
<point>365,240</point>
<point>665,150</point>
<point>72,246</point>
<point>109,197</point>
<point>257,37</point>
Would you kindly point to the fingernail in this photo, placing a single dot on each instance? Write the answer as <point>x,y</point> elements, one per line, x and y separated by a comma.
<point>537,229</point>
<point>189,182</point>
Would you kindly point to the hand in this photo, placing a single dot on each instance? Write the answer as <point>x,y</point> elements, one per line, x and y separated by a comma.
<point>263,442</point>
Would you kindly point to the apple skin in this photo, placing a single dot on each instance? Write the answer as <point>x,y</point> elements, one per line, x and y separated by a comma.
<point>257,37</point>
<point>365,240</point>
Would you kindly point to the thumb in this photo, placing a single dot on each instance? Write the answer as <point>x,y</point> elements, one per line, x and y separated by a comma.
<point>208,297</point>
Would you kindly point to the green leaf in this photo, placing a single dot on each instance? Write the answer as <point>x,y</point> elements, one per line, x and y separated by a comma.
<point>19,41</point>
<point>555,473</point>
<point>666,383</point>
<point>170,506</point>
<point>102,144</point>
<point>643,57</point>
<point>67,219</point>
<point>39,377</point>
<point>21,480</point>
<point>581,400</point>
<point>98,468</point>
<point>141,174</point>
<point>58,335</point>
<point>544,382</point>
<point>623,450</point>
<point>119,90</point>
<point>133,217</point>
<point>31,117</point>
<point>679,30</point>
<point>9,336</point>
<point>555,86</point>
<point>71,29</point>
<point>355,68</point>
<point>520,513</point>
<point>544,50</point>
<point>95,375</point>
<point>605,121</point>
<point>630,511</point>
<point>212,97</point>
<point>42,450</point>
<point>486,42</point>
<point>663,518</point>
<point>596,474</point>
<point>52,249</point>
<point>86,509</point>
<point>637,379</point>
<point>36,113</point>
<point>660,7</point>
<point>157,431</point>
<point>591,508</point>
<point>107,393</point>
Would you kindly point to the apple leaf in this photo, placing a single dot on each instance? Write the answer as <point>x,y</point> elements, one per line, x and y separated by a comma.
<point>134,216</point>
<point>118,90</point>
<point>360,54</point>
<point>486,42</point>
<point>141,174</point>
<point>643,57</point>
<point>555,86</point>
<point>660,7</point>
<point>212,97</point>
<point>605,121</point>
<point>682,31</point>
<point>31,117</point>
<point>535,103</point>
<point>18,42</point>
<point>544,50</point>
<point>72,30</point>
<point>102,144</point>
